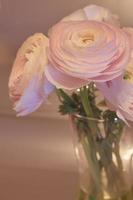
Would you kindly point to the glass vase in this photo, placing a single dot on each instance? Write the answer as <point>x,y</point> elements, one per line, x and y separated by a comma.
<point>104,152</point>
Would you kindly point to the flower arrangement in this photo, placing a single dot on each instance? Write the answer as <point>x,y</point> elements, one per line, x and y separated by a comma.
<point>87,46</point>
<point>86,52</point>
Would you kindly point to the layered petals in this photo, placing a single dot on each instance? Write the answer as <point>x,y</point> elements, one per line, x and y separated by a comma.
<point>60,79</point>
<point>129,32</point>
<point>119,93</point>
<point>28,87</point>
<point>93,12</point>
<point>88,51</point>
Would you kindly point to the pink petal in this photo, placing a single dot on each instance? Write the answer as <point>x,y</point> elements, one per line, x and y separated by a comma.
<point>27,86</point>
<point>31,99</point>
<point>101,60</point>
<point>62,80</point>
<point>119,93</point>
<point>48,87</point>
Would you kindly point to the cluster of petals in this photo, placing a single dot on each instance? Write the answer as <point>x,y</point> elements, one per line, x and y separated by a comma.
<point>84,51</point>
<point>119,92</point>
<point>88,45</point>
<point>119,95</point>
<point>28,87</point>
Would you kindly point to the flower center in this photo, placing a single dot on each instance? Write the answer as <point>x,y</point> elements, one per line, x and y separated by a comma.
<point>87,38</point>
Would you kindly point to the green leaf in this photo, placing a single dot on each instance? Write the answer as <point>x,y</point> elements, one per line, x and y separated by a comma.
<point>67,109</point>
<point>82,195</point>
<point>68,105</point>
<point>64,96</point>
<point>92,198</point>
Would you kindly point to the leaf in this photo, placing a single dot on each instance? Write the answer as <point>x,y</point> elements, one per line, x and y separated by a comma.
<point>68,105</point>
<point>92,198</point>
<point>81,195</point>
<point>67,109</point>
<point>64,96</point>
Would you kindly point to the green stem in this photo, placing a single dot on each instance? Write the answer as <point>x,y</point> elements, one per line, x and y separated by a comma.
<point>85,102</point>
<point>92,158</point>
<point>118,157</point>
<point>82,195</point>
<point>94,144</point>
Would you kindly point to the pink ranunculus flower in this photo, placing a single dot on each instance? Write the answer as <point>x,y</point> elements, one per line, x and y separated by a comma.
<point>119,92</point>
<point>84,51</point>
<point>28,87</point>
<point>93,12</point>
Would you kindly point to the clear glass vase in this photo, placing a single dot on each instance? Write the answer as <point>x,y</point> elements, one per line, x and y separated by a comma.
<point>104,151</point>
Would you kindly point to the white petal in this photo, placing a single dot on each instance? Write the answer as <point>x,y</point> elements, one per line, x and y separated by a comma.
<point>99,13</point>
<point>93,12</point>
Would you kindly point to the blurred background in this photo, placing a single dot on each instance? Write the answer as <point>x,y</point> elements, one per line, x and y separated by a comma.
<point>37,159</point>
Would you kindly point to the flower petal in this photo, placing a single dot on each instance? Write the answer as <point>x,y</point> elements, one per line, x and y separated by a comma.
<point>62,80</point>
<point>119,93</point>
<point>31,99</point>
<point>99,13</point>
<point>27,86</point>
<point>88,50</point>
<point>93,12</point>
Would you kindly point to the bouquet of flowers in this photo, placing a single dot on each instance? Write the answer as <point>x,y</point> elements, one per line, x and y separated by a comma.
<point>87,52</point>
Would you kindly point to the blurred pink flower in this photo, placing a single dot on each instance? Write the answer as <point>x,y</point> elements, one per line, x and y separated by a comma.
<point>93,12</point>
<point>28,87</point>
<point>84,51</point>
<point>119,92</point>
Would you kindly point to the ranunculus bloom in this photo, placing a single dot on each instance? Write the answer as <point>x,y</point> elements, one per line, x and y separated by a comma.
<point>119,92</point>
<point>93,12</point>
<point>84,51</point>
<point>28,87</point>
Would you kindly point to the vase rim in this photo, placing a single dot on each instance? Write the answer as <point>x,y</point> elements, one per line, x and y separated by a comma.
<point>91,118</point>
